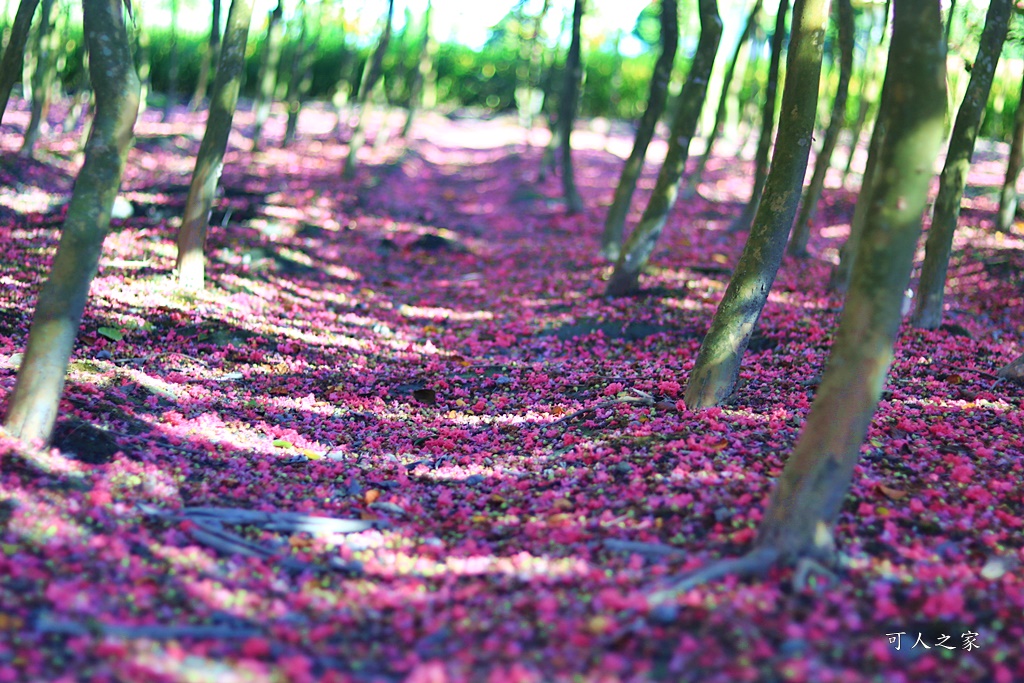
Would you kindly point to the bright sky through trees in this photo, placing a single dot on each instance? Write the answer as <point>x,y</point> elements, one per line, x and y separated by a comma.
<point>470,22</point>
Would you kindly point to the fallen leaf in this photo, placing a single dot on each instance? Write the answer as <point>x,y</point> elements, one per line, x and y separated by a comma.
<point>891,493</point>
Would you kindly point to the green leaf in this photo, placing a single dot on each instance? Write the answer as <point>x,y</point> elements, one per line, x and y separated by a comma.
<point>111,333</point>
<point>281,443</point>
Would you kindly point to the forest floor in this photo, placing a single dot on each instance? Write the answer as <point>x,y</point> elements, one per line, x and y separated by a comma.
<point>426,352</point>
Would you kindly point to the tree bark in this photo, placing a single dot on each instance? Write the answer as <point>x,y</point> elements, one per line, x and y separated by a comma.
<point>14,55</point>
<point>717,367</point>
<point>44,53</point>
<point>764,142</point>
<point>203,82</point>
<point>567,114</point>
<point>816,478</point>
<point>693,181</point>
<point>34,402</point>
<point>615,221</point>
<point>371,75</point>
<point>635,254</point>
<point>210,159</point>
<point>1008,195</point>
<point>809,205</point>
<point>268,73</point>
<point>930,291</point>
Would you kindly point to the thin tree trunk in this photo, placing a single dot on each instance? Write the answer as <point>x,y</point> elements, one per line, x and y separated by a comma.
<point>930,291</point>
<point>383,134</point>
<point>615,85</point>
<point>816,478</point>
<point>764,141</point>
<point>748,111</point>
<point>693,181</point>
<point>1014,370</point>
<point>173,63</point>
<point>302,70</point>
<point>341,91</point>
<point>840,278</point>
<point>210,159</point>
<point>268,73</point>
<point>14,56</point>
<point>142,53</point>
<point>863,104</point>
<point>567,114</point>
<point>867,81</point>
<point>635,254</point>
<point>714,375</point>
<point>809,205</point>
<point>547,158</point>
<point>615,221</point>
<point>203,82</point>
<point>371,75</point>
<point>44,51</point>
<point>425,64</point>
<point>33,405</point>
<point>1008,195</point>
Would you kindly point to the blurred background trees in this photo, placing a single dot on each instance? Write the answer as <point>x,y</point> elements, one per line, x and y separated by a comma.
<point>620,46</point>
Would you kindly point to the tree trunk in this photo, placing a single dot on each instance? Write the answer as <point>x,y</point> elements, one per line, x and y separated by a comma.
<point>1014,163</point>
<point>928,309</point>
<point>869,92</point>
<point>1014,370</point>
<point>693,182</point>
<point>44,52</point>
<point>371,75</point>
<point>301,69</point>
<point>615,221</point>
<point>809,206</point>
<point>142,53</point>
<point>14,56</point>
<point>840,278</point>
<point>747,110</point>
<point>567,111</point>
<point>764,142</point>
<point>816,478</point>
<point>717,367</point>
<point>268,73</point>
<point>210,159</point>
<point>33,405</point>
<point>173,63</point>
<point>203,82</point>
<point>425,64</point>
<point>547,158</point>
<point>626,276</point>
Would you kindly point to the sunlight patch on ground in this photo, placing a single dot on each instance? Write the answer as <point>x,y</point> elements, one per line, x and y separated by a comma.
<point>439,312</point>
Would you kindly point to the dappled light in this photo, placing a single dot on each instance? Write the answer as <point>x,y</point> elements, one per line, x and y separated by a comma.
<point>399,432</point>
